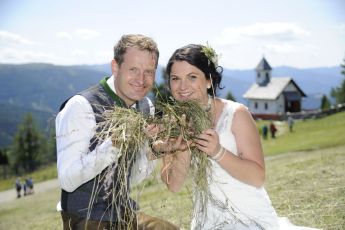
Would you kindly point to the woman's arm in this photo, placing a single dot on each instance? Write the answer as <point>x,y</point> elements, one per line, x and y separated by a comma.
<point>175,169</point>
<point>248,166</point>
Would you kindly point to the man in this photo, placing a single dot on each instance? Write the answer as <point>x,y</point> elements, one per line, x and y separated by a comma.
<point>82,161</point>
<point>18,187</point>
<point>290,123</point>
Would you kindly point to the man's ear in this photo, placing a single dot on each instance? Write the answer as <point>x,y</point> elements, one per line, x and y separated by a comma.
<point>114,67</point>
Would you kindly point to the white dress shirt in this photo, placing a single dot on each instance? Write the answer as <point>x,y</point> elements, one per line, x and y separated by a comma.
<point>75,126</point>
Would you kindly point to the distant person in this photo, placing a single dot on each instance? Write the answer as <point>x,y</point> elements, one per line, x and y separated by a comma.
<point>24,188</point>
<point>82,162</point>
<point>18,187</point>
<point>290,122</point>
<point>273,130</point>
<point>264,131</point>
<point>30,185</point>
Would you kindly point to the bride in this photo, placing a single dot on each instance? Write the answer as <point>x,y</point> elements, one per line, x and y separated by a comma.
<point>232,145</point>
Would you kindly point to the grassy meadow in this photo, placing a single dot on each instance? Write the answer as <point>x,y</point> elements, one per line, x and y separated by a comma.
<point>311,134</point>
<point>305,181</point>
<point>43,174</point>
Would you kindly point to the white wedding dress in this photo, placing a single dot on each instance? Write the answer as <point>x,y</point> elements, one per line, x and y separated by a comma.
<point>239,205</point>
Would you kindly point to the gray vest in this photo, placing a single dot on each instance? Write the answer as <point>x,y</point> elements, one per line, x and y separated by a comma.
<point>78,201</point>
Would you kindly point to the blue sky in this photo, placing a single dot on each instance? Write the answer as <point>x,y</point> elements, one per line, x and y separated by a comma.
<point>298,33</point>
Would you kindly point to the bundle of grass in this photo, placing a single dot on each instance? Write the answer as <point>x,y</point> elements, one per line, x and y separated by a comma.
<point>189,119</point>
<point>125,128</point>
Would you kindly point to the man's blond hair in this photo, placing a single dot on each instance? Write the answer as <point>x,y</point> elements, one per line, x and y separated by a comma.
<point>139,41</point>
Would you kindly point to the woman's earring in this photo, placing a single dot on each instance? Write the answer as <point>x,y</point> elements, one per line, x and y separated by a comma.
<point>209,87</point>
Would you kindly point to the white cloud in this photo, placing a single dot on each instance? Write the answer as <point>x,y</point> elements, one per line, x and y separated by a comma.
<point>87,34</point>
<point>106,55</point>
<point>79,53</point>
<point>289,49</point>
<point>282,48</point>
<point>64,35</point>
<point>10,55</point>
<point>273,31</point>
<point>11,38</point>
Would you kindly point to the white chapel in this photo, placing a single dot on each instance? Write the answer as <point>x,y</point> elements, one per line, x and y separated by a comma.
<point>269,97</point>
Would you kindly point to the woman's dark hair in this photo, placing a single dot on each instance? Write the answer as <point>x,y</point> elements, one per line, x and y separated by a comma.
<point>194,55</point>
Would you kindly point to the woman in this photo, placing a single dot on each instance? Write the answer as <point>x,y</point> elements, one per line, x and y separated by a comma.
<point>232,145</point>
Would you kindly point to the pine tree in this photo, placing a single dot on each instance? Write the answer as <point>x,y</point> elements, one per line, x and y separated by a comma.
<point>339,92</point>
<point>48,149</point>
<point>325,103</point>
<point>229,96</point>
<point>3,162</point>
<point>27,146</point>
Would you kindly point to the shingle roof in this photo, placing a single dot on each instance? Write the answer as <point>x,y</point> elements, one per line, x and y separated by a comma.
<point>271,91</point>
<point>263,65</point>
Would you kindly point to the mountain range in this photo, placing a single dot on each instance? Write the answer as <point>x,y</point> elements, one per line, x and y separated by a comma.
<point>40,88</point>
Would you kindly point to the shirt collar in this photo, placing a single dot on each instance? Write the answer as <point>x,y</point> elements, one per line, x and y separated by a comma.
<point>111,83</point>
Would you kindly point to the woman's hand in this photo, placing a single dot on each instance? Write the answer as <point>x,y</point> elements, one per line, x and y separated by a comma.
<point>151,130</point>
<point>170,144</point>
<point>208,142</point>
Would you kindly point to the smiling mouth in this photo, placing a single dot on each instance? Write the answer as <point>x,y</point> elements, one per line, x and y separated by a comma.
<point>139,87</point>
<point>185,95</point>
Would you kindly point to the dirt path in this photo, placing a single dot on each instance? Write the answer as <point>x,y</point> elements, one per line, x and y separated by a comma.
<point>11,194</point>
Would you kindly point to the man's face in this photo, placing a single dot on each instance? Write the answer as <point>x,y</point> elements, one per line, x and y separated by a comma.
<point>135,76</point>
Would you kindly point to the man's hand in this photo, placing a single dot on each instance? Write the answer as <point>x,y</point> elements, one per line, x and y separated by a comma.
<point>152,130</point>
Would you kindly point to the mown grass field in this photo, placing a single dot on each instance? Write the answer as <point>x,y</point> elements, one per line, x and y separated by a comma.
<point>305,181</point>
<point>311,134</point>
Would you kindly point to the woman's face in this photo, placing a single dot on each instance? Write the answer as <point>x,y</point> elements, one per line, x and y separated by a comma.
<point>187,82</point>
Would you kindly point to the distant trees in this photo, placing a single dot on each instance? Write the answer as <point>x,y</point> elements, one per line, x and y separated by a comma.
<point>3,157</point>
<point>48,149</point>
<point>325,103</point>
<point>229,96</point>
<point>4,162</point>
<point>30,148</point>
<point>27,146</point>
<point>161,91</point>
<point>339,92</point>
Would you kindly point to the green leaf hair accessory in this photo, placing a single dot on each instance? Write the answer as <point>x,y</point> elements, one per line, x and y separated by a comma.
<point>210,54</point>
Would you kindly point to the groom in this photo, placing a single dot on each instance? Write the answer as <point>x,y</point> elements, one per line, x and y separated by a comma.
<point>82,161</point>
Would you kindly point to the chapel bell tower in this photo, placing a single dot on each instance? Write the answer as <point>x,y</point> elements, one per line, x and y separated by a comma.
<point>263,73</point>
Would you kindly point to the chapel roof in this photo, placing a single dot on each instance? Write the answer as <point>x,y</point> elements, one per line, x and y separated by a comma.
<point>263,65</point>
<point>272,90</point>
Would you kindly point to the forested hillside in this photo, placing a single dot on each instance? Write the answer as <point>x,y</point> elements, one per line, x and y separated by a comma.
<point>41,88</point>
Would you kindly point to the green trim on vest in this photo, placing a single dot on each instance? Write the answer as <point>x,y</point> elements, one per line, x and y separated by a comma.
<point>111,93</point>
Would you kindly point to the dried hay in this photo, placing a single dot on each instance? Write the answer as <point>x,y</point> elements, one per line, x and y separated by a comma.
<point>125,127</point>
